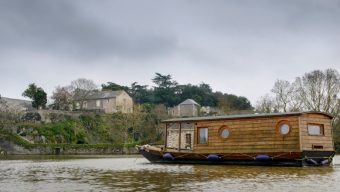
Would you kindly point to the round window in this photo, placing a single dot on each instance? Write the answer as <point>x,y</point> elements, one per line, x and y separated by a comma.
<point>284,129</point>
<point>224,133</point>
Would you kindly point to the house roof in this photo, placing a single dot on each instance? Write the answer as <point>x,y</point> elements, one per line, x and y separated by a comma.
<point>210,118</point>
<point>189,102</point>
<point>104,94</point>
<point>18,102</point>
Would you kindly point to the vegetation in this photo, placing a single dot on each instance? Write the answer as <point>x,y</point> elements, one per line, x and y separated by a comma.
<point>9,115</point>
<point>169,93</point>
<point>142,126</point>
<point>314,91</point>
<point>37,94</point>
<point>166,92</point>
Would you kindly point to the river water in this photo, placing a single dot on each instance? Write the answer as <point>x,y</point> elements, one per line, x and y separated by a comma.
<point>134,173</point>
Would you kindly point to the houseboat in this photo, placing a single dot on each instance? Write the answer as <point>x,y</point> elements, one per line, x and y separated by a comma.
<point>287,139</point>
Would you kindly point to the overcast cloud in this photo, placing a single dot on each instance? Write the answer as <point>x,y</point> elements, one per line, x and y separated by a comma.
<point>238,47</point>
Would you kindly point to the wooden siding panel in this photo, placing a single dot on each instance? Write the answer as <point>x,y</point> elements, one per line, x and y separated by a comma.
<point>325,140</point>
<point>250,135</point>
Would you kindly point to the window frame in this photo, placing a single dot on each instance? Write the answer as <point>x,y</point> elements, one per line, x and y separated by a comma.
<point>322,129</point>
<point>199,136</point>
<point>222,128</point>
<point>98,101</point>
<point>278,127</point>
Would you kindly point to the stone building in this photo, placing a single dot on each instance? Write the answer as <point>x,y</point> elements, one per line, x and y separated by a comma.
<point>188,108</point>
<point>187,134</point>
<point>22,105</point>
<point>107,102</point>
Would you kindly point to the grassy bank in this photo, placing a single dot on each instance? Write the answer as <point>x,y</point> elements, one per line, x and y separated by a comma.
<point>89,131</point>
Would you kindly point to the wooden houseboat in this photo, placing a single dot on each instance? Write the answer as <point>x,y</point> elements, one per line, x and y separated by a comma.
<point>288,139</point>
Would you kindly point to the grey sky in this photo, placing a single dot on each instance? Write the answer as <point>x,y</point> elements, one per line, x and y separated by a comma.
<point>238,47</point>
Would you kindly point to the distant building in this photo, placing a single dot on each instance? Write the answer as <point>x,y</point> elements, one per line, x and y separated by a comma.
<point>208,111</point>
<point>188,108</point>
<point>22,105</point>
<point>107,102</point>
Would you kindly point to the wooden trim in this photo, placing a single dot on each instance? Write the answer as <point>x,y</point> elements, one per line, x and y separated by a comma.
<point>179,136</point>
<point>166,135</point>
<point>300,132</point>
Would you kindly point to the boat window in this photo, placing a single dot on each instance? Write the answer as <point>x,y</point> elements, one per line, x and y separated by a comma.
<point>283,127</point>
<point>224,132</point>
<point>203,136</point>
<point>315,129</point>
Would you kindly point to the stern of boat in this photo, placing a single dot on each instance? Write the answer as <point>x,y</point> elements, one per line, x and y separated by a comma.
<point>317,158</point>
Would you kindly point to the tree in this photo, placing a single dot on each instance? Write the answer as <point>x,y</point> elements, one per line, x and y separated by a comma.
<point>230,102</point>
<point>283,91</point>
<point>140,93</point>
<point>319,91</point>
<point>202,94</point>
<point>165,92</point>
<point>81,89</point>
<point>314,91</point>
<point>114,87</point>
<point>62,98</point>
<point>9,114</point>
<point>37,94</point>
<point>265,104</point>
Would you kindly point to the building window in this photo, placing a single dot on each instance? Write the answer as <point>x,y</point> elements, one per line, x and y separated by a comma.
<point>85,104</point>
<point>203,135</point>
<point>188,140</point>
<point>98,103</point>
<point>315,129</point>
<point>283,127</point>
<point>77,105</point>
<point>224,132</point>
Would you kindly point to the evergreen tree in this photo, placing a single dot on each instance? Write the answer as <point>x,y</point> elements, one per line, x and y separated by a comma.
<point>37,94</point>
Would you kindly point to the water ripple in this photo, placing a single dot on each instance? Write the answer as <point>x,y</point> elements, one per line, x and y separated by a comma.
<point>136,174</point>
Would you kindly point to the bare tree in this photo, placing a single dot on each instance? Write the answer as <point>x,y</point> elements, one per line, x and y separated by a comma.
<point>266,104</point>
<point>319,91</point>
<point>9,114</point>
<point>82,88</point>
<point>295,101</point>
<point>62,98</point>
<point>283,92</point>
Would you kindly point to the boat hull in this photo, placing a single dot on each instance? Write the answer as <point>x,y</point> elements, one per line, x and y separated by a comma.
<point>296,159</point>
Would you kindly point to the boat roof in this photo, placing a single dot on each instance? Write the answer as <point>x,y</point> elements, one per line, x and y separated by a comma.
<point>243,116</point>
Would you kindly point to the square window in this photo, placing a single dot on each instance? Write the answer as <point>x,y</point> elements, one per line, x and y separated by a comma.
<point>315,129</point>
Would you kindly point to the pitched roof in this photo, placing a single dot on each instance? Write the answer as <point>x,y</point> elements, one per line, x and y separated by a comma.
<point>18,102</point>
<point>210,118</point>
<point>189,102</point>
<point>104,94</point>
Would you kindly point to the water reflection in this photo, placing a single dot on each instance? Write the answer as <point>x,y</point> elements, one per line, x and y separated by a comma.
<point>136,174</point>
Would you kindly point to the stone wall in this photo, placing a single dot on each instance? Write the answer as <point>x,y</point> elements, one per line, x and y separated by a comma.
<point>173,135</point>
<point>10,148</point>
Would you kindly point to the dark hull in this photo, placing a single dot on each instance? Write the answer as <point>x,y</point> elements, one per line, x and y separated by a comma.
<point>305,158</point>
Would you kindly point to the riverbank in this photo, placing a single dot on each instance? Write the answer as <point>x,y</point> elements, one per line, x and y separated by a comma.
<point>12,144</point>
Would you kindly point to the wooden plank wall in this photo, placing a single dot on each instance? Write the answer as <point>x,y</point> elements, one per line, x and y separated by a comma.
<point>253,135</point>
<point>326,140</point>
